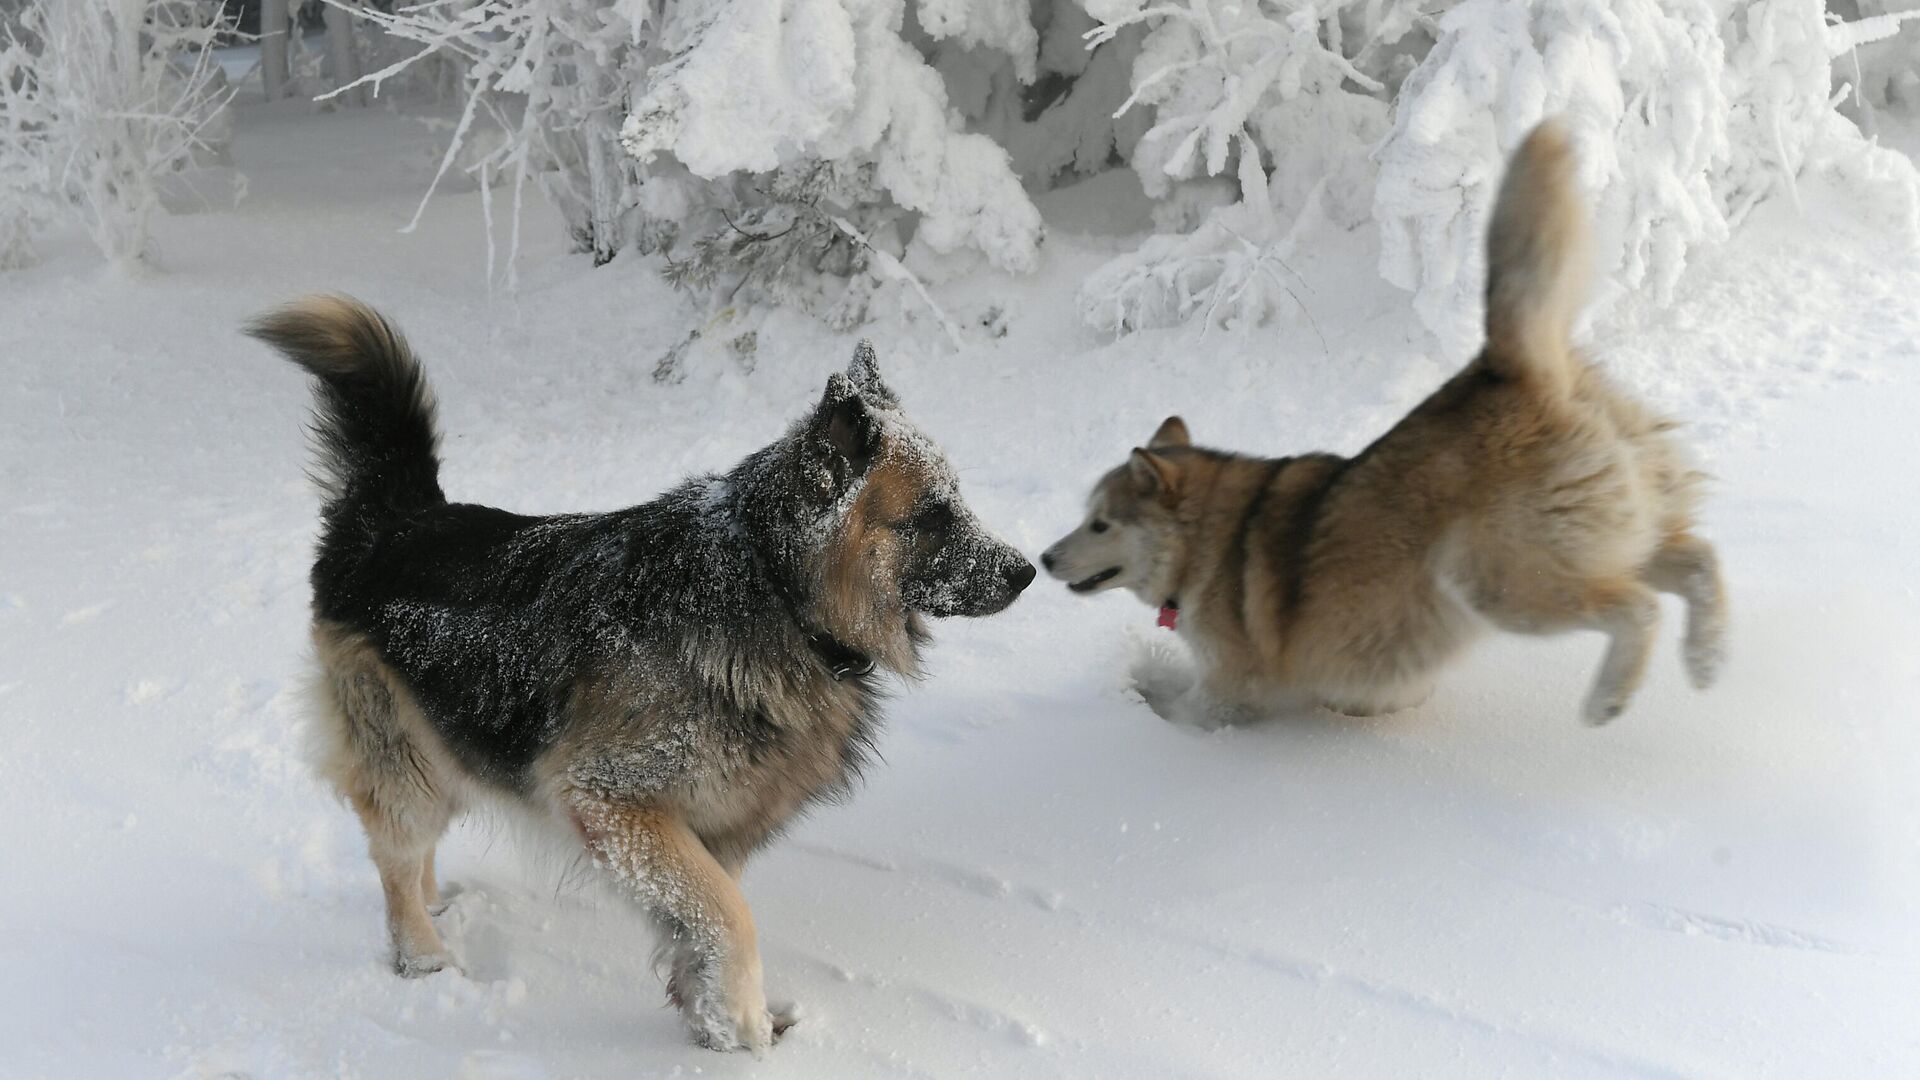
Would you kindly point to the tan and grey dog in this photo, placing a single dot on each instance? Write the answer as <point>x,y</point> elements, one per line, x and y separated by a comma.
<point>670,684</point>
<point>1527,493</point>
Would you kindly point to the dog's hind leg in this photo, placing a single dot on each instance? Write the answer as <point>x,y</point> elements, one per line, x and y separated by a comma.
<point>710,937</point>
<point>1689,568</point>
<point>1628,614</point>
<point>1625,610</point>
<point>373,757</point>
<point>402,851</point>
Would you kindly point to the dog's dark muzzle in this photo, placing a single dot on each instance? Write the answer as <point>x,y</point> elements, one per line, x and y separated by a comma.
<point>990,583</point>
<point>1018,576</point>
<point>996,595</point>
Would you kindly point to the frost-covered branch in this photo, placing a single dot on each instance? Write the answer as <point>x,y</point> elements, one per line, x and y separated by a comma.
<point>551,78</point>
<point>26,153</point>
<point>896,270</point>
<point>101,102</point>
<point>1844,37</point>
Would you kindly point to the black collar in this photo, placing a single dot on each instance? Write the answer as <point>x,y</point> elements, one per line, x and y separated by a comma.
<point>842,660</point>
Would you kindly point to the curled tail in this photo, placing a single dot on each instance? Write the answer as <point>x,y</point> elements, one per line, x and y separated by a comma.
<point>1536,263</point>
<point>373,414</point>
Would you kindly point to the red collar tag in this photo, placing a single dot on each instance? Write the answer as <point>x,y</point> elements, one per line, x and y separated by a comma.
<point>1169,616</point>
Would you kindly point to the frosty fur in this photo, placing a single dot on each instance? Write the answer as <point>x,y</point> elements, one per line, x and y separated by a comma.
<point>672,683</point>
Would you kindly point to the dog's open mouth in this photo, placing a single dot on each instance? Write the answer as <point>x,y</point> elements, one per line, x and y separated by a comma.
<point>1097,580</point>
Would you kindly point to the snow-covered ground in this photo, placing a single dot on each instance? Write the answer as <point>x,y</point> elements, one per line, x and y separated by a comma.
<point>1043,878</point>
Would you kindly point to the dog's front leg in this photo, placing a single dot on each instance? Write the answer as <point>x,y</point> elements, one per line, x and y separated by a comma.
<point>716,976</point>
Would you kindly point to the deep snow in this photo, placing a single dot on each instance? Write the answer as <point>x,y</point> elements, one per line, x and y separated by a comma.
<point>1042,877</point>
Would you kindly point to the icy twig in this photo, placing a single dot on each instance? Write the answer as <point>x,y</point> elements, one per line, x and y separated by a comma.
<point>898,271</point>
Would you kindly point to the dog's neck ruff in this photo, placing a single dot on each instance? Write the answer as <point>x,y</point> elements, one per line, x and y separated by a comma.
<point>841,660</point>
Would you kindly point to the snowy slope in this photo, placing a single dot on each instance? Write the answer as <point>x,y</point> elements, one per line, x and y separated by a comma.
<point>1043,878</point>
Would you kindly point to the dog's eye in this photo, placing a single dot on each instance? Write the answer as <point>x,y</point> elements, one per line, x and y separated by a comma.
<point>933,520</point>
<point>1097,525</point>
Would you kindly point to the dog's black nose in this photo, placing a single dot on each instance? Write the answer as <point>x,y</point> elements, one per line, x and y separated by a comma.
<point>1021,576</point>
<point>1046,560</point>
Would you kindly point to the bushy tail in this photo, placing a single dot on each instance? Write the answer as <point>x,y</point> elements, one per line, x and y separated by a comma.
<point>373,414</point>
<point>1537,263</point>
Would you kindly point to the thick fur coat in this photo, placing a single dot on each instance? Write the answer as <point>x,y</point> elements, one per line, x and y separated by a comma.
<point>1528,494</point>
<point>671,682</point>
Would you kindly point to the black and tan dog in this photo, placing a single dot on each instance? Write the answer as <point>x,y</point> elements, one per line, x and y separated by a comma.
<point>671,683</point>
<point>1527,493</point>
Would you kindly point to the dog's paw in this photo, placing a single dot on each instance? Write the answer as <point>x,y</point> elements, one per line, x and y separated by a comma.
<point>1704,654</point>
<point>785,1015</point>
<point>723,1018</point>
<point>421,965</point>
<point>1160,675</point>
<point>1603,707</point>
<point>1201,711</point>
<point>750,1028</point>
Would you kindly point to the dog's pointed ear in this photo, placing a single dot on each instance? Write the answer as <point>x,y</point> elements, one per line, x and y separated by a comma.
<point>864,373</point>
<point>1153,474</point>
<point>844,430</point>
<point>1171,432</point>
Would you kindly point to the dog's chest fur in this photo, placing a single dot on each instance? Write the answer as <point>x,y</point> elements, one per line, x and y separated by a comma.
<point>740,746</point>
<point>814,744</point>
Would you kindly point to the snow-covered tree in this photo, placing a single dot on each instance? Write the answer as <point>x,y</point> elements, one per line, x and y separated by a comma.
<point>1688,112</point>
<point>1876,48</point>
<point>1644,85</point>
<point>1051,105</point>
<point>752,88</point>
<point>1285,97</point>
<point>103,100</point>
<point>706,129</point>
<point>552,79</point>
<point>26,158</point>
<point>812,151</point>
